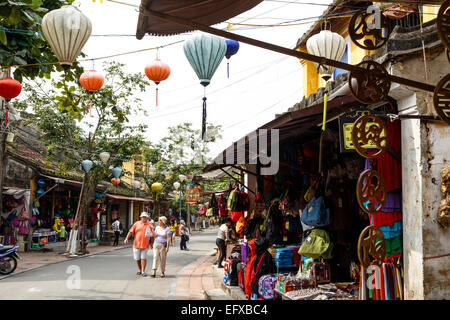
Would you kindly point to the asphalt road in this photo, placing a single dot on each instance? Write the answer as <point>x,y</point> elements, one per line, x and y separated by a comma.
<point>109,275</point>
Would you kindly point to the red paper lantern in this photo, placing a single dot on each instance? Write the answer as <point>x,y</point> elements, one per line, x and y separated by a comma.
<point>9,88</point>
<point>92,81</point>
<point>115,181</point>
<point>157,71</point>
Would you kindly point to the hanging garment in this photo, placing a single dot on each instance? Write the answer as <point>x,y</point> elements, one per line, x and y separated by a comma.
<point>380,219</point>
<point>389,168</point>
<point>393,201</point>
<point>393,231</point>
<point>394,246</point>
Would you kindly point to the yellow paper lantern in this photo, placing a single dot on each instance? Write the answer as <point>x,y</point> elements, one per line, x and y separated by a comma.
<point>156,187</point>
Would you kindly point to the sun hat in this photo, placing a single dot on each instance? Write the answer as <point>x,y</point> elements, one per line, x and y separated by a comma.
<point>143,214</point>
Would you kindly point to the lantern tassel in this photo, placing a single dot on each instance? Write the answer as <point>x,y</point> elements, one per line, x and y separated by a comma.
<point>6,116</point>
<point>204,119</point>
<point>156,96</point>
<point>325,98</point>
<point>228,69</point>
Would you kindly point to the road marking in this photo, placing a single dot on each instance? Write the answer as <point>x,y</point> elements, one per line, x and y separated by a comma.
<point>34,289</point>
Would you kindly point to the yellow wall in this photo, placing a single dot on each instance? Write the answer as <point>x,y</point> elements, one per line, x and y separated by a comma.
<point>429,12</point>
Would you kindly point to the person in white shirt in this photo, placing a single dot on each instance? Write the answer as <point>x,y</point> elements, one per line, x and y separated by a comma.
<point>161,245</point>
<point>116,228</point>
<point>222,236</point>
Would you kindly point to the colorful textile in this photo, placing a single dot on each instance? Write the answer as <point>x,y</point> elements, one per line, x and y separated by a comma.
<point>392,231</point>
<point>380,219</point>
<point>393,246</point>
<point>393,201</point>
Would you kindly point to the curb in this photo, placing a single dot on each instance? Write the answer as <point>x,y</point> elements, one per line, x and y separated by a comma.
<point>55,262</point>
<point>234,292</point>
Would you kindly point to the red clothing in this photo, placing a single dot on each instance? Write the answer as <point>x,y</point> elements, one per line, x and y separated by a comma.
<point>380,219</point>
<point>389,168</point>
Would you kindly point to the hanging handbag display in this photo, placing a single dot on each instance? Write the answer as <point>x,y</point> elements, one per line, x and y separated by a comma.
<point>23,228</point>
<point>317,244</point>
<point>23,215</point>
<point>316,214</point>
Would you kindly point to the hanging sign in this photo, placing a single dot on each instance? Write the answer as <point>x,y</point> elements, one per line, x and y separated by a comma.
<point>346,122</point>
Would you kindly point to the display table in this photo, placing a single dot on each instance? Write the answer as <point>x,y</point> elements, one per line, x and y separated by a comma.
<point>40,236</point>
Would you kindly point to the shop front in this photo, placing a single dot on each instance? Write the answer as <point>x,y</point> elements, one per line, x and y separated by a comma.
<point>331,216</point>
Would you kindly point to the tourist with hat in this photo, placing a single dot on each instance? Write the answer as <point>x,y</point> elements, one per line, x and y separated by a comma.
<point>143,234</point>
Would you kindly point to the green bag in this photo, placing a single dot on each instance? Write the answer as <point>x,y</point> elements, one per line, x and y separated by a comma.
<point>317,244</point>
<point>232,200</point>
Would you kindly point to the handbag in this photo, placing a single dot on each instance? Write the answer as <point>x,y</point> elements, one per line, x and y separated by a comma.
<point>317,245</point>
<point>23,228</point>
<point>202,210</point>
<point>23,215</point>
<point>316,214</point>
<point>209,212</point>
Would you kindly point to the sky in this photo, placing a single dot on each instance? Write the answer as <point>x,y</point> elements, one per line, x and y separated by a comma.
<point>262,83</point>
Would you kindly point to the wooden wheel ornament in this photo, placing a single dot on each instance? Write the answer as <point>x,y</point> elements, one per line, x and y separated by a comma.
<point>371,191</point>
<point>371,243</point>
<point>371,86</point>
<point>447,53</point>
<point>443,23</point>
<point>358,29</point>
<point>441,99</point>
<point>369,129</point>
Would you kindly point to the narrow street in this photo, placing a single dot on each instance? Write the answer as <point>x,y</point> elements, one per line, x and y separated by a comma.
<point>109,275</point>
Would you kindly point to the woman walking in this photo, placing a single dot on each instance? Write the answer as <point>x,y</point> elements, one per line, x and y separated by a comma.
<point>173,231</point>
<point>184,231</point>
<point>161,246</point>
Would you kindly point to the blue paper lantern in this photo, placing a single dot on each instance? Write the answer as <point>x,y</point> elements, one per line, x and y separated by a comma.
<point>116,172</point>
<point>87,165</point>
<point>40,192</point>
<point>98,195</point>
<point>232,49</point>
<point>41,183</point>
<point>205,52</point>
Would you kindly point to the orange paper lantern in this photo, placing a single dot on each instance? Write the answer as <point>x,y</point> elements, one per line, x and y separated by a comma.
<point>115,181</point>
<point>157,71</point>
<point>92,81</point>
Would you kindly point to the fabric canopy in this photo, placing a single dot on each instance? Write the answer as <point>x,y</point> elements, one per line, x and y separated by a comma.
<point>208,12</point>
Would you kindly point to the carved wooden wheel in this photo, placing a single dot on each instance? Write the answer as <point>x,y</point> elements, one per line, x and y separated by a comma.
<point>441,99</point>
<point>371,243</point>
<point>369,129</point>
<point>371,191</point>
<point>443,23</point>
<point>363,24</point>
<point>371,86</point>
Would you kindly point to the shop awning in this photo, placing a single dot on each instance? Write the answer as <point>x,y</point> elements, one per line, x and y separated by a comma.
<point>304,122</point>
<point>207,12</point>
<point>15,192</point>
<point>69,181</point>
<point>119,197</point>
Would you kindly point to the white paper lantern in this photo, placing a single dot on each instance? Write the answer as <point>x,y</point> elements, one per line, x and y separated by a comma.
<point>136,184</point>
<point>104,156</point>
<point>176,185</point>
<point>66,30</point>
<point>326,44</point>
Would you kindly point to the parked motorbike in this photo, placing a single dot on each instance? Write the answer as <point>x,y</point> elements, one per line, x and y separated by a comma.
<point>8,259</point>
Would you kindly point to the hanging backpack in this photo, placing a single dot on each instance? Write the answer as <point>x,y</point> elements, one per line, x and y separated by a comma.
<point>222,206</point>
<point>266,286</point>
<point>316,214</point>
<point>240,225</point>
<point>234,274</point>
<point>317,244</point>
<point>294,224</point>
<point>241,277</point>
<point>232,202</point>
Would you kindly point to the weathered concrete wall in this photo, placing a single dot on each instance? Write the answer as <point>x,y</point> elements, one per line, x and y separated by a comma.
<point>425,152</point>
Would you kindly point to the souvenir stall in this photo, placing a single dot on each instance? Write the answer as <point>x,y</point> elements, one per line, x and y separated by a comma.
<point>331,215</point>
<point>14,220</point>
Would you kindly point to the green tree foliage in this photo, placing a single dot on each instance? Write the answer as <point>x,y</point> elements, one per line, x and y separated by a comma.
<point>21,38</point>
<point>57,112</point>
<point>182,151</point>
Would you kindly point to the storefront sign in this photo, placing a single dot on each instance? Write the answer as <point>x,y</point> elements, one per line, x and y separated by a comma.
<point>346,122</point>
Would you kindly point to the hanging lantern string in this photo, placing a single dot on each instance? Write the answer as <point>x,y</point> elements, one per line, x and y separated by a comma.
<point>204,114</point>
<point>325,98</point>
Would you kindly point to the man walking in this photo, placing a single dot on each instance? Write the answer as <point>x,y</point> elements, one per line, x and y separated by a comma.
<point>143,233</point>
<point>116,228</point>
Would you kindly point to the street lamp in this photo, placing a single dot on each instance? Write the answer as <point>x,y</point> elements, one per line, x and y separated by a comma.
<point>176,185</point>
